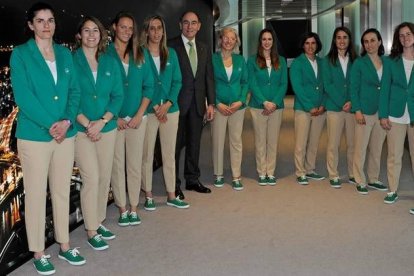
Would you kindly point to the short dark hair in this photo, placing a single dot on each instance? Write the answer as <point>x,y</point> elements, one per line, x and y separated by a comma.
<point>188,11</point>
<point>381,49</point>
<point>32,11</point>
<point>307,35</point>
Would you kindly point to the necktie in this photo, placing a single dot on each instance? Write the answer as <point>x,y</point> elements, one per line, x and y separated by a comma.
<point>192,57</point>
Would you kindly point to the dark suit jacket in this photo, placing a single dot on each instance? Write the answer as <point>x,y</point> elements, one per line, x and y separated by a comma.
<point>202,85</point>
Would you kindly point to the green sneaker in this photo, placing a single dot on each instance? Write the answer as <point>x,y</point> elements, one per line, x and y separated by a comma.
<point>123,220</point>
<point>412,211</point>
<point>237,185</point>
<point>335,183</point>
<point>97,243</point>
<point>391,198</point>
<point>105,233</point>
<point>72,256</point>
<point>352,180</point>
<point>377,185</point>
<point>263,180</point>
<point>178,203</point>
<point>43,266</point>
<point>271,180</point>
<point>134,218</point>
<point>315,176</point>
<point>362,189</point>
<point>219,181</point>
<point>302,180</point>
<point>149,204</point>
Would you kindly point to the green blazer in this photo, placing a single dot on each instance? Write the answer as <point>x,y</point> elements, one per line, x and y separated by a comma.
<point>137,84</point>
<point>167,82</point>
<point>366,86</point>
<point>264,87</point>
<point>308,88</point>
<point>336,84</point>
<point>235,89</point>
<point>399,94</point>
<point>104,95</point>
<point>41,102</point>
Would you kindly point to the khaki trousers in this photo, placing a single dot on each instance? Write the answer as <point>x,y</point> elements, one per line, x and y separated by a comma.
<point>266,139</point>
<point>308,130</point>
<point>128,155</point>
<point>369,137</point>
<point>94,160</point>
<point>395,141</point>
<point>42,161</point>
<point>336,121</point>
<point>218,133</point>
<point>168,137</point>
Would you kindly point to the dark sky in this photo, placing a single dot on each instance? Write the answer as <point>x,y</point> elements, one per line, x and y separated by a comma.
<point>68,14</point>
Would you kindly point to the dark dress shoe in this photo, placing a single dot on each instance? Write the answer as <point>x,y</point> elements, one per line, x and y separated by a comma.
<point>197,187</point>
<point>179,193</point>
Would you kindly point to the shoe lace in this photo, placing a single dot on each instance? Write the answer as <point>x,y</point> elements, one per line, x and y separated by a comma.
<point>178,199</point>
<point>44,260</point>
<point>123,215</point>
<point>97,238</point>
<point>335,179</point>
<point>150,200</point>
<point>74,252</point>
<point>390,194</point>
<point>133,214</point>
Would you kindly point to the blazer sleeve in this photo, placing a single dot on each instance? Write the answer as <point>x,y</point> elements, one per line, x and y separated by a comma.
<point>384,97</point>
<point>282,87</point>
<point>244,81</point>
<point>176,82</point>
<point>148,83</point>
<point>355,85</point>
<point>296,78</point>
<point>24,95</point>
<point>254,87</point>
<point>117,93</point>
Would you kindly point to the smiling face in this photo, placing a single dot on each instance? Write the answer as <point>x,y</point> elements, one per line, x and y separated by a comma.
<point>310,46</point>
<point>190,25</point>
<point>266,41</point>
<point>155,31</point>
<point>371,43</point>
<point>90,35</point>
<point>406,37</point>
<point>228,40</point>
<point>342,41</point>
<point>43,25</point>
<point>124,29</point>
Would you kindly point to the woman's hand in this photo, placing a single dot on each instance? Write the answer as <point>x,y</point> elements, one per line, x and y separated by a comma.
<point>235,106</point>
<point>347,107</point>
<point>269,107</point>
<point>224,109</point>
<point>122,124</point>
<point>135,122</point>
<point>94,128</point>
<point>58,130</point>
<point>162,109</point>
<point>385,124</point>
<point>359,117</point>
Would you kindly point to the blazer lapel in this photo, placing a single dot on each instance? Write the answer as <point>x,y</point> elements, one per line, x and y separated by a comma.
<point>41,61</point>
<point>371,68</point>
<point>86,68</point>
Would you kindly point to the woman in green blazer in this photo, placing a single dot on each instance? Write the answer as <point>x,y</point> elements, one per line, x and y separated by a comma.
<point>268,85</point>
<point>306,79</point>
<point>163,111</point>
<point>336,69</point>
<point>47,95</point>
<point>138,87</point>
<point>101,99</point>
<point>231,81</point>
<point>368,80</point>
<point>396,109</point>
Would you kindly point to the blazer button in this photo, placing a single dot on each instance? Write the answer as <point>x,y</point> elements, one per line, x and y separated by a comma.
<point>56,98</point>
<point>159,83</point>
<point>379,87</point>
<point>126,84</point>
<point>345,85</point>
<point>317,87</point>
<point>94,96</point>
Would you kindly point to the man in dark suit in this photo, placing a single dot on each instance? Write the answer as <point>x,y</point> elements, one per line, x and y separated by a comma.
<point>197,87</point>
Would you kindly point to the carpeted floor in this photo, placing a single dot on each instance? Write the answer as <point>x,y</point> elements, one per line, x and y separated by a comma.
<point>287,229</point>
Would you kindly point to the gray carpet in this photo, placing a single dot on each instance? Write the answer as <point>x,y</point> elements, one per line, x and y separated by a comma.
<point>287,229</point>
